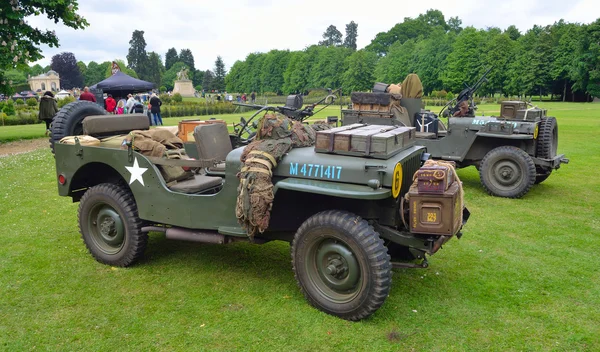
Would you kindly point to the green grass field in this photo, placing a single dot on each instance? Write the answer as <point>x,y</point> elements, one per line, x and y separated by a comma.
<point>524,277</point>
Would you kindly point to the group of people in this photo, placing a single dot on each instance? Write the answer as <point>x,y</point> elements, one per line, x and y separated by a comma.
<point>49,108</point>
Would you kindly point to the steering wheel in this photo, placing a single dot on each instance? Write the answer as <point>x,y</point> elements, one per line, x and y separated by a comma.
<point>245,130</point>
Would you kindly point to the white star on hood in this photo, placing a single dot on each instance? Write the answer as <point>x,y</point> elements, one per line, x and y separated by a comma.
<point>136,172</point>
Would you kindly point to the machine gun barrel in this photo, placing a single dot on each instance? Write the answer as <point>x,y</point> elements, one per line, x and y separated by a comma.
<point>253,106</point>
<point>481,80</point>
<point>465,95</point>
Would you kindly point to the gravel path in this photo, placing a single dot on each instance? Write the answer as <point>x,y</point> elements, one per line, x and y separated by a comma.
<point>19,147</point>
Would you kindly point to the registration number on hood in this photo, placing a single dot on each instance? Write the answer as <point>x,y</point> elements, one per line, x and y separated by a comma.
<point>330,172</point>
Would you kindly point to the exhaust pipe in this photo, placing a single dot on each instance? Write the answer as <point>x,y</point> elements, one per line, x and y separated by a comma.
<point>181,234</point>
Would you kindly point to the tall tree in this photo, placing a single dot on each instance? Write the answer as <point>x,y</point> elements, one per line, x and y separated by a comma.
<point>171,58</point>
<point>207,80</point>
<point>410,28</point>
<point>351,35</point>
<point>36,70</point>
<point>591,59</point>
<point>564,56</point>
<point>429,58</point>
<point>295,77</point>
<point>331,37</point>
<point>155,68</point>
<point>465,60</point>
<point>218,82</point>
<point>497,54</point>
<point>20,42</point>
<point>360,72</point>
<point>454,24</point>
<point>398,62</point>
<point>137,56</point>
<point>273,68</point>
<point>95,72</point>
<point>82,68</point>
<point>513,32</point>
<point>328,67</point>
<point>234,80</point>
<point>197,77</point>
<point>65,64</point>
<point>186,56</point>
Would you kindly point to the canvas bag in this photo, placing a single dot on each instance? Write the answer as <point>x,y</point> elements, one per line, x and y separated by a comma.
<point>161,144</point>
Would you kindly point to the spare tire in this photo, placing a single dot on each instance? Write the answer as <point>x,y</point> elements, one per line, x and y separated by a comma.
<point>547,146</point>
<point>68,120</point>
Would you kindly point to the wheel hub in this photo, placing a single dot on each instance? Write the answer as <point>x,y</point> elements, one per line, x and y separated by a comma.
<point>107,229</point>
<point>507,173</point>
<point>337,266</point>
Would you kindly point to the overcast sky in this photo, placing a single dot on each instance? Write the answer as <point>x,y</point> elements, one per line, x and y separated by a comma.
<point>235,28</point>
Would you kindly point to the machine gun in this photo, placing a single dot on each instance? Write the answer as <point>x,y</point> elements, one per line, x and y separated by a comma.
<point>465,95</point>
<point>293,106</point>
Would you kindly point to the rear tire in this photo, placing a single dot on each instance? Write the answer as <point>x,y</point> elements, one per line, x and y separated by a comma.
<point>110,226</point>
<point>507,172</point>
<point>69,120</point>
<point>341,265</point>
<point>547,146</point>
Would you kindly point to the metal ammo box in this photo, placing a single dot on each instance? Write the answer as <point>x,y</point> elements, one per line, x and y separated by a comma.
<point>517,110</point>
<point>435,213</point>
<point>365,140</point>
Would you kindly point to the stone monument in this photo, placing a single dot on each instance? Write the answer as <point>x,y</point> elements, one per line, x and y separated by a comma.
<point>183,85</point>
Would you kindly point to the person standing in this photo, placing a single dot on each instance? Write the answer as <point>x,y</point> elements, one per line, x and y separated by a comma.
<point>120,107</point>
<point>130,104</point>
<point>48,109</point>
<point>253,97</point>
<point>86,95</point>
<point>111,104</point>
<point>155,104</point>
<point>244,98</point>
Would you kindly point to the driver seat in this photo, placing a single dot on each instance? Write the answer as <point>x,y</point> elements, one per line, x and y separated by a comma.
<point>212,142</point>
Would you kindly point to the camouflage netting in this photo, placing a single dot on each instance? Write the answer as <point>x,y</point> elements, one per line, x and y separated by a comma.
<point>276,135</point>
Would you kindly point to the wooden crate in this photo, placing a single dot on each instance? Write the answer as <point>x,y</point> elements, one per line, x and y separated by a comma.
<point>186,128</point>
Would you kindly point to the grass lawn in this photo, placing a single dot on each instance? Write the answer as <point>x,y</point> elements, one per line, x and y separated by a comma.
<point>523,277</point>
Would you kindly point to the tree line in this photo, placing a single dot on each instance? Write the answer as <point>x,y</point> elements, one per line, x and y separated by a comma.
<point>140,64</point>
<point>562,60</point>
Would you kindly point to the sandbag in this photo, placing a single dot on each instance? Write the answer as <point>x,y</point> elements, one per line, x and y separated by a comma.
<point>412,86</point>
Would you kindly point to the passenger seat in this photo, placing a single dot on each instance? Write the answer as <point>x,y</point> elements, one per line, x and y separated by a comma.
<point>212,142</point>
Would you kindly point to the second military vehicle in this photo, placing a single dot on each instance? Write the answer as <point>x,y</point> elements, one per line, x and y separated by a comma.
<point>512,151</point>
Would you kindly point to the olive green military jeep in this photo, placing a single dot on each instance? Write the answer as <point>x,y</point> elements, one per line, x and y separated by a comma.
<point>512,151</point>
<point>344,216</point>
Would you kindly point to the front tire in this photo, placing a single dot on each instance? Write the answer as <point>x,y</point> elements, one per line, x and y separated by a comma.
<point>110,226</point>
<point>341,265</point>
<point>507,172</point>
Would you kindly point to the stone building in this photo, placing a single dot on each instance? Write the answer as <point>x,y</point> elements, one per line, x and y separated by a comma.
<point>46,81</point>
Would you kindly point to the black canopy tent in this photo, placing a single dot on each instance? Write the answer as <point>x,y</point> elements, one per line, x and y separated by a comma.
<point>121,84</point>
